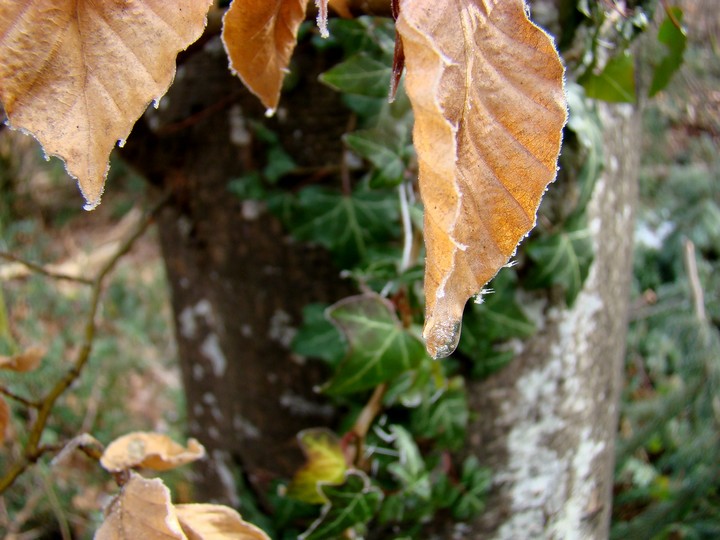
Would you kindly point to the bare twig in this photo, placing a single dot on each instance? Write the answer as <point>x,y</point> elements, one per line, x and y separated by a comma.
<point>9,393</point>
<point>671,16</point>
<point>38,269</point>
<point>33,450</point>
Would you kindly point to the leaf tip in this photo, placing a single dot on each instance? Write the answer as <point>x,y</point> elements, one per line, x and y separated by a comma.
<point>441,336</point>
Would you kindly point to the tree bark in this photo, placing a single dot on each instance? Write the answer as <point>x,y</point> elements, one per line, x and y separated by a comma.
<point>238,283</point>
<point>546,424</point>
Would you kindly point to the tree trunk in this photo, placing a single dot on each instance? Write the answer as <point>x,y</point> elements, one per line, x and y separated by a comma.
<point>546,424</point>
<point>238,284</point>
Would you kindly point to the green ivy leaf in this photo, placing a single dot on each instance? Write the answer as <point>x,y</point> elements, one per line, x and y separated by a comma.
<point>476,482</point>
<point>386,149</point>
<point>409,470</point>
<point>374,35</point>
<point>585,123</point>
<point>443,418</point>
<point>380,348</point>
<point>345,224</point>
<point>360,74</point>
<point>562,259</point>
<point>675,39</point>
<point>616,83</point>
<point>318,337</point>
<point>352,503</point>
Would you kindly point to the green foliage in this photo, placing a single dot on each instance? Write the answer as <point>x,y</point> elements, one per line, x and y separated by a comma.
<point>615,83</point>
<point>350,506</point>
<point>672,36</point>
<point>379,348</point>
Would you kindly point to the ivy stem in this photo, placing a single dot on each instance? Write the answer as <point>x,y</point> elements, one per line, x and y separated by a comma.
<point>366,417</point>
<point>33,450</point>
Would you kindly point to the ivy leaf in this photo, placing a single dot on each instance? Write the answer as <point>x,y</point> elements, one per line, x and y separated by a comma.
<point>675,39</point>
<point>77,75</point>
<point>352,503</point>
<point>563,258</point>
<point>410,470</point>
<point>318,337</point>
<point>387,149</point>
<point>360,74</point>
<point>585,123</point>
<point>443,418</point>
<point>486,86</point>
<point>380,348</point>
<point>325,464</point>
<point>616,82</point>
<point>476,482</point>
<point>345,224</point>
<point>259,37</point>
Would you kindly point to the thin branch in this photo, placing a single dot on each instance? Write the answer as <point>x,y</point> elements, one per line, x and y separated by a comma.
<point>38,269</point>
<point>408,239</point>
<point>32,450</point>
<point>8,393</point>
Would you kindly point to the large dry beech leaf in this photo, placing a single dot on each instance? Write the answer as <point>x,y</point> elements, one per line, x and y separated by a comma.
<point>259,37</point>
<point>77,74</point>
<point>150,451</point>
<point>142,510</point>
<point>216,522</point>
<point>486,86</point>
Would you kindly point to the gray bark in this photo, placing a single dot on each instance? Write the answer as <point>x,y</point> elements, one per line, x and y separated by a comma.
<point>546,424</point>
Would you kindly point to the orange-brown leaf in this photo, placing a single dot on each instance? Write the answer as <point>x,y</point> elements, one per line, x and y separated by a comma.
<point>149,450</point>
<point>77,74</point>
<point>260,36</point>
<point>486,86</point>
<point>27,360</point>
<point>216,522</point>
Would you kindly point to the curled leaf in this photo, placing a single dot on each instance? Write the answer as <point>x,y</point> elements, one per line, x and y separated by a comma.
<point>149,450</point>
<point>215,522</point>
<point>259,37</point>
<point>28,360</point>
<point>141,510</point>
<point>486,86</point>
<point>78,74</point>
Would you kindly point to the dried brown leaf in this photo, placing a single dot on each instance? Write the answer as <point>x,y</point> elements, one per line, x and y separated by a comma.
<point>486,86</point>
<point>142,510</point>
<point>216,522</point>
<point>77,74</point>
<point>4,419</point>
<point>149,450</point>
<point>28,360</point>
<point>259,37</point>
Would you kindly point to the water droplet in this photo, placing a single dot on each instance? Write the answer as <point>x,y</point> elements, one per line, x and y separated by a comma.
<point>121,143</point>
<point>269,113</point>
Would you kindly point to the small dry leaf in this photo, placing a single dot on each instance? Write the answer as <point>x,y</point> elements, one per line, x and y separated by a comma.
<point>4,419</point>
<point>149,450</point>
<point>486,86</point>
<point>215,522</point>
<point>259,37</point>
<point>77,74</point>
<point>142,510</point>
<point>27,360</point>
